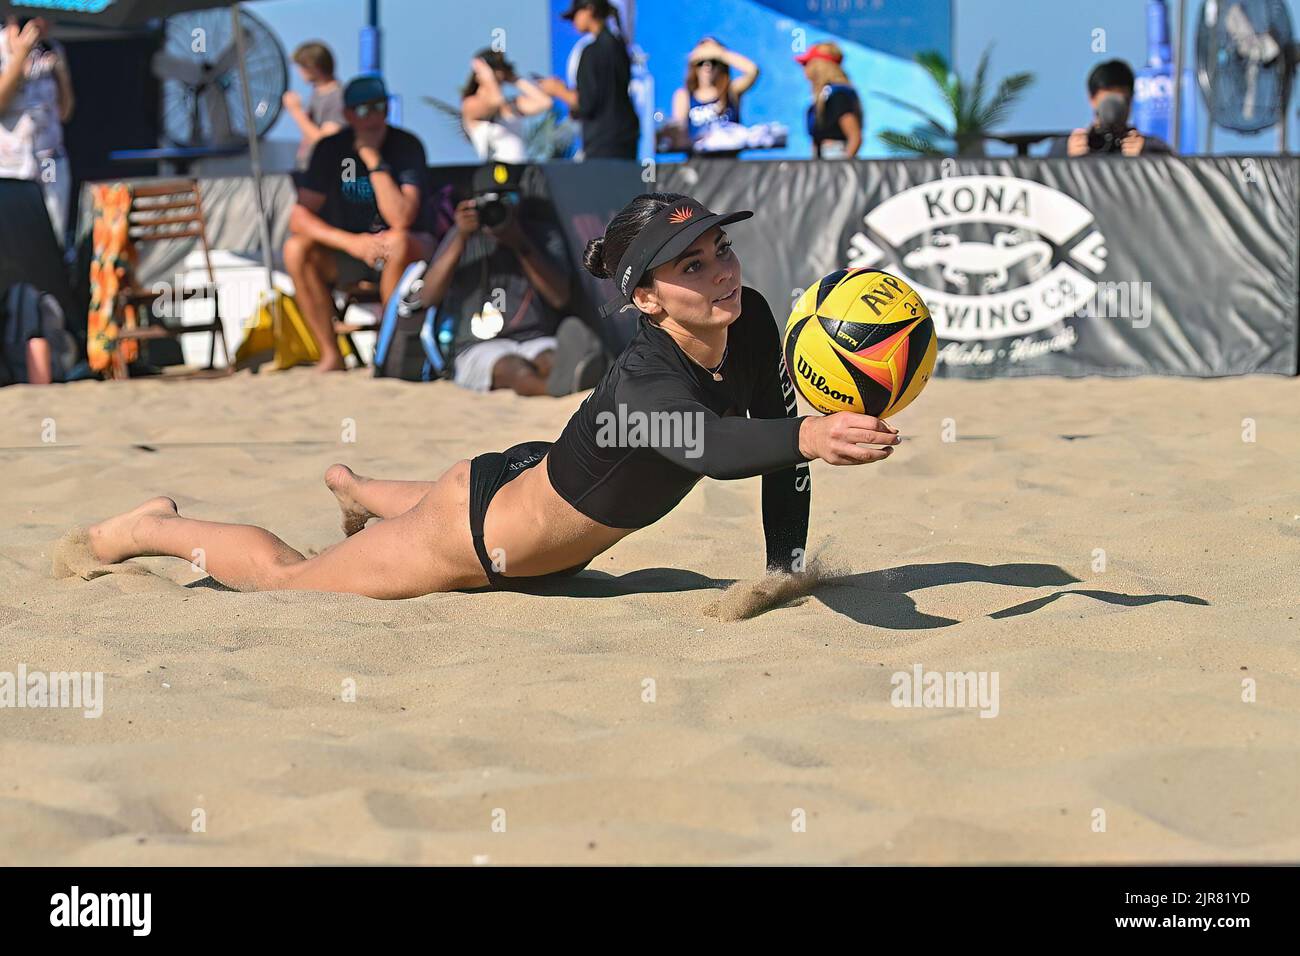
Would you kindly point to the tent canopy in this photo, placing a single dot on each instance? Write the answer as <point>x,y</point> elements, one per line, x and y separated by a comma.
<point>107,13</point>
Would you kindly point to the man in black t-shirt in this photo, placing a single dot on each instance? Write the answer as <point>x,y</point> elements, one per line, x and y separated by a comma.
<point>360,213</point>
<point>610,128</point>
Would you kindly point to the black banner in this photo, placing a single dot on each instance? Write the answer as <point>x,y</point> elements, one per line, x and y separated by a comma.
<point>909,906</point>
<point>1061,267</point>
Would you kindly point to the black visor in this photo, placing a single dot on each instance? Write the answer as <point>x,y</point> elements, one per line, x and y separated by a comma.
<point>664,238</point>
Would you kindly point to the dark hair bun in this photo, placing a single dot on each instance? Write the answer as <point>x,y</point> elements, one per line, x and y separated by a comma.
<point>593,260</point>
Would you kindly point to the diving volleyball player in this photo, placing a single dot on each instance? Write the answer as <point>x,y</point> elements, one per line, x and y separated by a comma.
<point>707,353</point>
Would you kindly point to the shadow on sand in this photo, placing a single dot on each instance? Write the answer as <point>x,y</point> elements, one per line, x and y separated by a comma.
<point>879,598</point>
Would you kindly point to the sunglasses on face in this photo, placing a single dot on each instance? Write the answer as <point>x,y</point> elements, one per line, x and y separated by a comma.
<point>365,109</point>
<point>715,64</point>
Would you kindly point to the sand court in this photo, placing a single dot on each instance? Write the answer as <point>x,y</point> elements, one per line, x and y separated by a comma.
<point>1124,556</point>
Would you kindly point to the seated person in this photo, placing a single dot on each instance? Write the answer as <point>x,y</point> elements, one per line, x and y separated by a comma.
<point>1110,91</point>
<point>501,275</point>
<point>360,214</point>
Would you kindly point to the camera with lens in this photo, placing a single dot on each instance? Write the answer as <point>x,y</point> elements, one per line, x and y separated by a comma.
<point>1107,134</point>
<point>496,209</point>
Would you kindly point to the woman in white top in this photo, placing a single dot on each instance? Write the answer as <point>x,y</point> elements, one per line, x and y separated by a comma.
<point>495,123</point>
<point>35,101</point>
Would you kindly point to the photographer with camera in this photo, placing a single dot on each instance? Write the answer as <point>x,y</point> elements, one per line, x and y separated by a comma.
<point>499,278</point>
<point>1110,91</point>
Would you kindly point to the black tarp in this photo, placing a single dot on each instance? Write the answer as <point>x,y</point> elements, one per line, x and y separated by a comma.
<point>1212,244</point>
<point>1179,266</point>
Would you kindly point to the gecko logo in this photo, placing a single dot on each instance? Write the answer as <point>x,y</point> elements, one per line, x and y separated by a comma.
<point>992,256</point>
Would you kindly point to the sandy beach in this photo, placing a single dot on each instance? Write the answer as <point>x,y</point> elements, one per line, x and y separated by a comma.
<point>1112,550</point>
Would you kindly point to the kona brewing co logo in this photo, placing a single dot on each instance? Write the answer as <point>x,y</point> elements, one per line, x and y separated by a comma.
<point>992,256</point>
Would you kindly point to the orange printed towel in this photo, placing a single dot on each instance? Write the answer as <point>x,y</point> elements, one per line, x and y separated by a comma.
<point>112,258</point>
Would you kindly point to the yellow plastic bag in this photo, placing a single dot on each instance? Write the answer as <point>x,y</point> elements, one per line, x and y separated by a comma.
<point>293,345</point>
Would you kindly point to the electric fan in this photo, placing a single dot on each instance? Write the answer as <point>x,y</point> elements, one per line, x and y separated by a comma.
<point>198,65</point>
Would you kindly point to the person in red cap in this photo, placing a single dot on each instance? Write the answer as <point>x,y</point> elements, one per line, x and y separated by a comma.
<point>835,115</point>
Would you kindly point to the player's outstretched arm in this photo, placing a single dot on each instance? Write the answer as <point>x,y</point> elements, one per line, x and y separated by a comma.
<point>841,439</point>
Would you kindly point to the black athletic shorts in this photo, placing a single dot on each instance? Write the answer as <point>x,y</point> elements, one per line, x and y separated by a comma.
<point>488,473</point>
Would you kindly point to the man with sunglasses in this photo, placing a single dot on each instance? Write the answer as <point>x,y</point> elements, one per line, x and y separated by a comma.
<point>360,213</point>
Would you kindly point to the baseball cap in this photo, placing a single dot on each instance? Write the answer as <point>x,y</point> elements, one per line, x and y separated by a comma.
<point>577,5</point>
<point>367,88</point>
<point>821,51</point>
<point>497,178</point>
<point>666,236</point>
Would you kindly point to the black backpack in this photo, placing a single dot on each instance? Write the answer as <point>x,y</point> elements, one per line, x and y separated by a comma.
<point>27,313</point>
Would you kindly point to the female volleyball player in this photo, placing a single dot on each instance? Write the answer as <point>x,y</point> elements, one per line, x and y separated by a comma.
<point>670,411</point>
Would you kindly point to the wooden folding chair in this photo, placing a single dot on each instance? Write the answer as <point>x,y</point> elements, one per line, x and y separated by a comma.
<point>159,212</point>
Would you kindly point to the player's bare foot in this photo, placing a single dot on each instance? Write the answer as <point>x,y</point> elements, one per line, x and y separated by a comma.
<point>343,481</point>
<point>113,539</point>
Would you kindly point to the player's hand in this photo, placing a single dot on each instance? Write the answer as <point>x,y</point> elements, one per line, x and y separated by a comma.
<point>466,217</point>
<point>1077,144</point>
<point>292,101</point>
<point>1132,143</point>
<point>841,439</point>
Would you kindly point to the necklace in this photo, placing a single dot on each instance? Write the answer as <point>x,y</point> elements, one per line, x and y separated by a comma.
<point>716,371</point>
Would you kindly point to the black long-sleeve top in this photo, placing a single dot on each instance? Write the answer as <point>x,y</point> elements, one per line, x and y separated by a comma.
<point>658,423</point>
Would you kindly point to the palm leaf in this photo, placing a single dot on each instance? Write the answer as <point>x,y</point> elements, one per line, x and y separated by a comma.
<point>1008,92</point>
<point>935,64</point>
<point>910,143</point>
<point>450,111</point>
<point>971,118</point>
<point>933,123</point>
<point>975,105</point>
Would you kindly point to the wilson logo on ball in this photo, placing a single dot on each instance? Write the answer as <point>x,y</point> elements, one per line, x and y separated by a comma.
<point>819,382</point>
<point>860,341</point>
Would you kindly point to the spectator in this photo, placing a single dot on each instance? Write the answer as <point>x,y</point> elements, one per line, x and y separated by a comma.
<point>1110,92</point>
<point>35,101</point>
<point>709,96</point>
<point>835,115</point>
<point>610,128</point>
<point>493,120</point>
<point>360,213</point>
<point>323,115</point>
<point>499,274</point>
